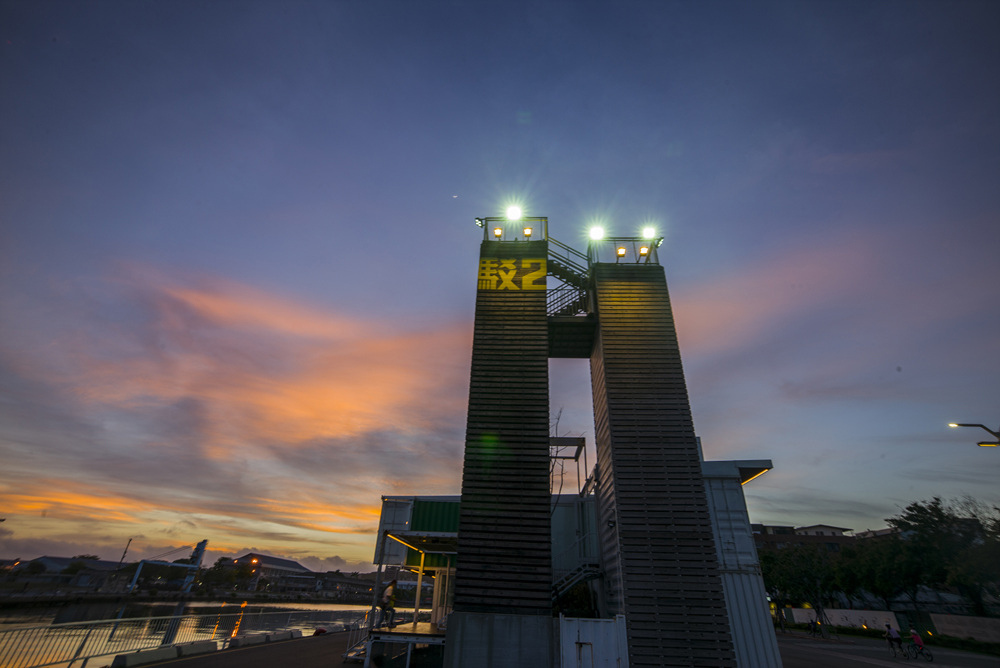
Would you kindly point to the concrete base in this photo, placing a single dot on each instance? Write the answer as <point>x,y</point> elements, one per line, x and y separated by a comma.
<point>198,647</point>
<point>499,641</point>
<point>141,658</point>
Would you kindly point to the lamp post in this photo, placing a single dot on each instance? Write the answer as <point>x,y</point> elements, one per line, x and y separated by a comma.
<point>985,444</point>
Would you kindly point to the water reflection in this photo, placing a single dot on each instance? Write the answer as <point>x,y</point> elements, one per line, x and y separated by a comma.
<point>85,612</point>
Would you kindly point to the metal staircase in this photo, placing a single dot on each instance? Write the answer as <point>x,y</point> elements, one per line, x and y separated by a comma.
<point>569,266</point>
<point>582,573</point>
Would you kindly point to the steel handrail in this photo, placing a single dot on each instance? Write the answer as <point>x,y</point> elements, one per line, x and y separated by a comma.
<point>55,644</point>
<point>571,257</point>
<point>567,300</point>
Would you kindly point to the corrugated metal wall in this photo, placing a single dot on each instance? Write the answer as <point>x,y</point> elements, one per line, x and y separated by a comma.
<point>656,530</point>
<point>436,516</point>
<point>746,598</point>
<point>593,643</point>
<point>396,513</point>
<point>574,533</point>
<point>504,563</point>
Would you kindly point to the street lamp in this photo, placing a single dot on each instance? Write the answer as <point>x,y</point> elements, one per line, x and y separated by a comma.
<point>985,444</point>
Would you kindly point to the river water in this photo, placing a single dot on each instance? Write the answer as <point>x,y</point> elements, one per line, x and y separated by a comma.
<point>84,612</point>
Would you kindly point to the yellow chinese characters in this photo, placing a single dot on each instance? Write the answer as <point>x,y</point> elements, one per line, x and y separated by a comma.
<point>512,274</point>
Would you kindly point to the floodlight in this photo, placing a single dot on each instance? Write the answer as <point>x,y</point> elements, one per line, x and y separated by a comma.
<point>597,233</point>
<point>643,251</point>
<point>621,251</point>
<point>498,232</point>
<point>648,232</point>
<point>527,233</point>
<point>514,212</point>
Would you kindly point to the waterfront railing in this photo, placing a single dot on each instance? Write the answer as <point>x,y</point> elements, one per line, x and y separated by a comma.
<point>73,644</point>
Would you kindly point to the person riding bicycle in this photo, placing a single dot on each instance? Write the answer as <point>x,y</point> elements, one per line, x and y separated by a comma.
<point>388,605</point>
<point>915,637</point>
<point>892,637</point>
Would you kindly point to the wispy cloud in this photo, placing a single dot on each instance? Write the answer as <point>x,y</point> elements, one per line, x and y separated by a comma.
<point>208,408</point>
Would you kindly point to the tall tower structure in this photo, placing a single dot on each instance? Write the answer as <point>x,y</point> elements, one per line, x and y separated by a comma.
<point>658,552</point>
<point>656,532</point>
<point>503,584</point>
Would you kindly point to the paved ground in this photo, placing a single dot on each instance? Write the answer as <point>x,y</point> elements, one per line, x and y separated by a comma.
<point>797,651</point>
<point>312,652</point>
<point>800,651</point>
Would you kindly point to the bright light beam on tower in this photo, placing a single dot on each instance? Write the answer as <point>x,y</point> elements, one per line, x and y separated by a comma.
<point>514,213</point>
<point>597,233</point>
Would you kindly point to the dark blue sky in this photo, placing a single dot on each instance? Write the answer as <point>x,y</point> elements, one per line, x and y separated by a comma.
<point>237,249</point>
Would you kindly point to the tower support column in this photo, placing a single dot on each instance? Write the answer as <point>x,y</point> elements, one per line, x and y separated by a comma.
<point>654,522</point>
<point>503,582</point>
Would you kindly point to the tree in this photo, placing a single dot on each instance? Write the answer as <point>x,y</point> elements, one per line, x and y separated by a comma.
<point>953,544</point>
<point>225,574</point>
<point>35,568</point>
<point>878,566</point>
<point>804,573</point>
<point>74,567</point>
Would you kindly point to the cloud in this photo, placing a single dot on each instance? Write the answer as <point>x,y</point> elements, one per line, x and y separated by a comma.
<point>263,369</point>
<point>852,163</point>
<point>803,505</point>
<point>850,316</point>
<point>334,563</point>
<point>746,306</point>
<point>198,407</point>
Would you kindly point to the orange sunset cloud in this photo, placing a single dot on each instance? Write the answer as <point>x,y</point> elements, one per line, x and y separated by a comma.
<point>273,371</point>
<point>728,311</point>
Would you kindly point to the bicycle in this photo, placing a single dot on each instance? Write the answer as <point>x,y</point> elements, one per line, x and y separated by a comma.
<point>914,651</point>
<point>896,649</point>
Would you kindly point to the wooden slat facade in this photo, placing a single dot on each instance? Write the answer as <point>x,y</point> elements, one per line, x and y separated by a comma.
<point>504,534</point>
<point>657,544</point>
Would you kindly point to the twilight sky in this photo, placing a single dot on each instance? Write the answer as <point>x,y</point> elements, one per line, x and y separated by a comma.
<point>238,256</point>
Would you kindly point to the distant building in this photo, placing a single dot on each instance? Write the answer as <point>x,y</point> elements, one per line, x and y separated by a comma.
<point>74,573</point>
<point>335,585</point>
<point>278,575</point>
<point>778,537</point>
<point>821,530</point>
<point>284,576</point>
<point>875,533</point>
